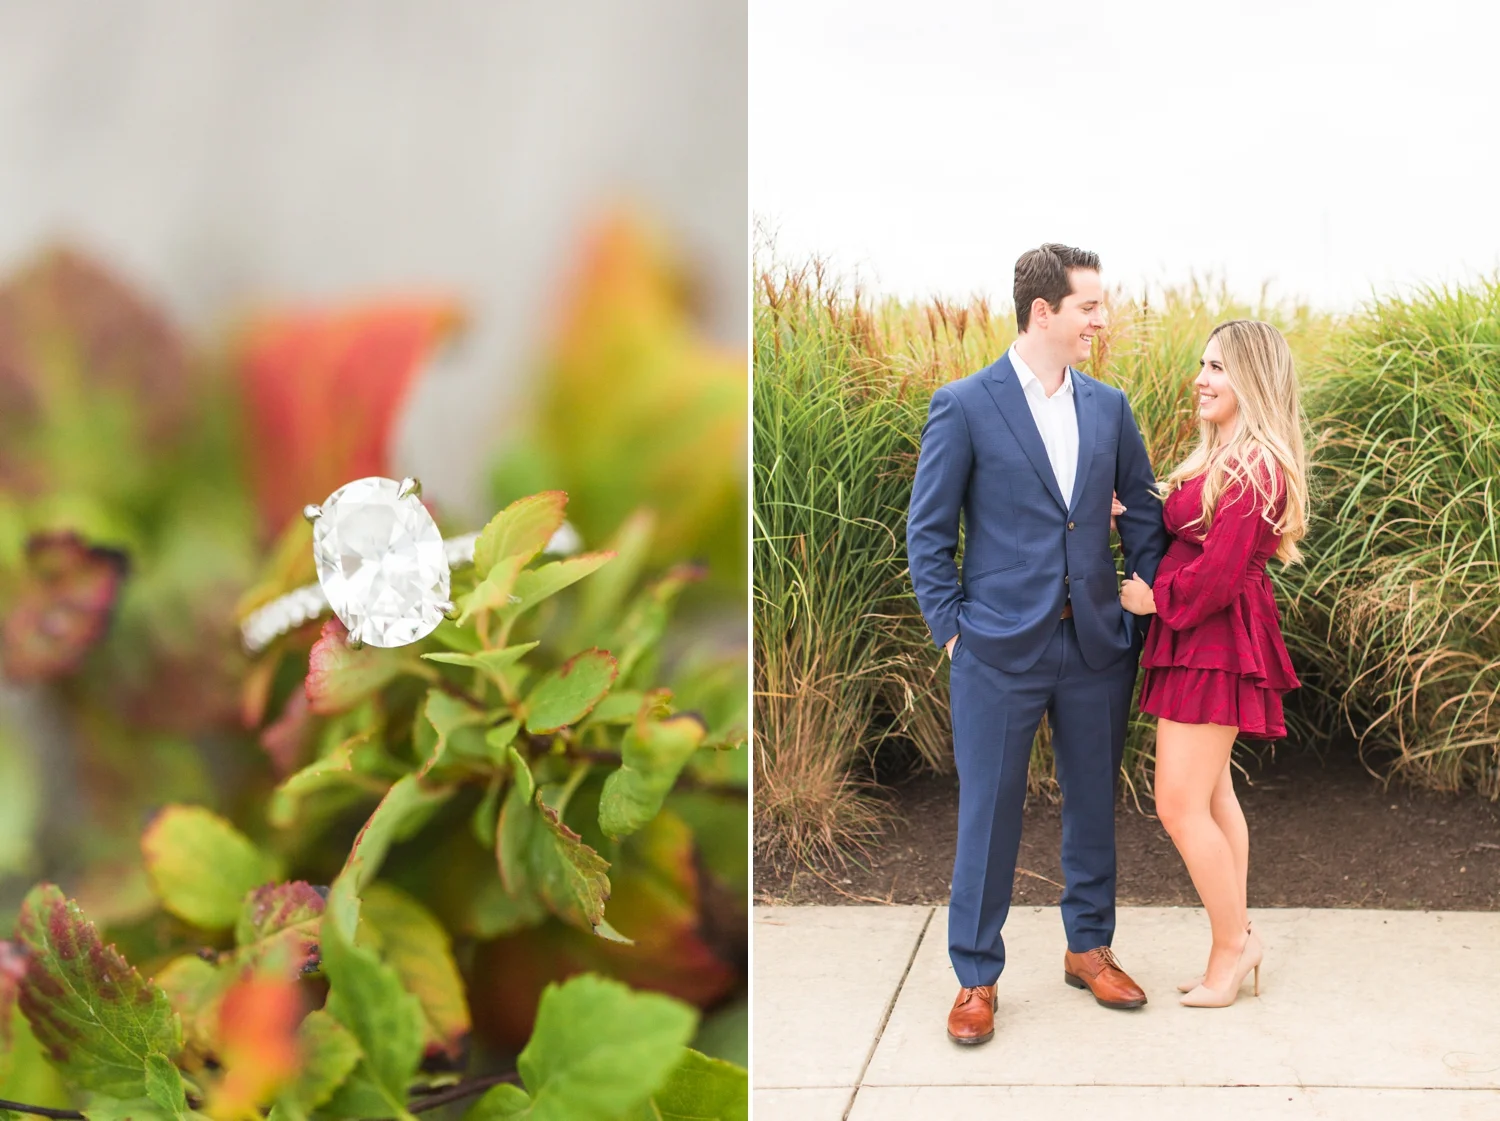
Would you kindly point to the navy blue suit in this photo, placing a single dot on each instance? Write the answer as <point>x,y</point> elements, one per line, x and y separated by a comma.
<point>1028,551</point>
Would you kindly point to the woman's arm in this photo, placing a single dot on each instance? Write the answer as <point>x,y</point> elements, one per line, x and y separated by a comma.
<point>1186,596</point>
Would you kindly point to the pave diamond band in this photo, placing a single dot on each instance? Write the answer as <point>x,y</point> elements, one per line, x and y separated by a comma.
<point>383,568</point>
<point>266,624</point>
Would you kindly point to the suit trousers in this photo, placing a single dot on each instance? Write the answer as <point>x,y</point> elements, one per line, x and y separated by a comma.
<point>995,719</point>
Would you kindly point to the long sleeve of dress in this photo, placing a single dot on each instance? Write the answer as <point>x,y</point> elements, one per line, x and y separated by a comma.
<point>1208,583</point>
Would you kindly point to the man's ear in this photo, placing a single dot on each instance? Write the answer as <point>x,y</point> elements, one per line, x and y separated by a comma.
<point>1040,311</point>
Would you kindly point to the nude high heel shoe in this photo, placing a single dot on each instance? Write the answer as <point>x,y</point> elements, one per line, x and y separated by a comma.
<point>1204,997</point>
<point>1189,986</point>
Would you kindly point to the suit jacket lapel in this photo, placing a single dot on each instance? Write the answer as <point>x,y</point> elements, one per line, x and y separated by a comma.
<point>1087,408</point>
<point>1005,390</point>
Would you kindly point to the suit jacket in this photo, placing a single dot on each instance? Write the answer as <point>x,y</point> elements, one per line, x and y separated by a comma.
<point>1028,548</point>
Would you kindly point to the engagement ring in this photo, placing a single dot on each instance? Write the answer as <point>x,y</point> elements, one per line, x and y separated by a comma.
<point>383,568</point>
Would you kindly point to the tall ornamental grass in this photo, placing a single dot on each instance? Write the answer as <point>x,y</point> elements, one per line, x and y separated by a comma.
<point>1393,621</point>
<point>1403,581</point>
<point>842,660</point>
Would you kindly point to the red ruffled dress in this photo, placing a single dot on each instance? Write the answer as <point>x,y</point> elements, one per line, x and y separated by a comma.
<point>1214,653</point>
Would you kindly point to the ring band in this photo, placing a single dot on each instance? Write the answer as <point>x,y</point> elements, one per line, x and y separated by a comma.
<point>267,623</point>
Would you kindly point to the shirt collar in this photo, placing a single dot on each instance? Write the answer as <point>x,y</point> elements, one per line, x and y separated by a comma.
<point>1028,379</point>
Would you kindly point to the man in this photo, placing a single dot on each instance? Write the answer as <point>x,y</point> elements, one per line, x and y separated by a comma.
<point>1032,452</point>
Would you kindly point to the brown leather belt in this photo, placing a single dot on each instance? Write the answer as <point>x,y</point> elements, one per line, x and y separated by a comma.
<point>1067,611</point>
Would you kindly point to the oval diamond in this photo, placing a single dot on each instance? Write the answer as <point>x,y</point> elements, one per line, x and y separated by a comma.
<point>381,562</point>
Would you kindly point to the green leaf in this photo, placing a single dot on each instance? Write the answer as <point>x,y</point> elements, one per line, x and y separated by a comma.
<point>498,912</point>
<point>366,994</point>
<point>541,858</point>
<point>195,988</point>
<point>536,584</point>
<point>652,754</point>
<point>521,530</point>
<point>367,997</point>
<point>164,1086</point>
<point>201,866</point>
<point>569,875</point>
<point>491,661</point>
<point>405,808</point>
<point>358,1096</point>
<point>464,640</point>
<point>460,745</point>
<point>700,1089</point>
<point>494,592</point>
<point>340,677</point>
<point>487,814</point>
<point>620,707</point>
<point>500,1102</point>
<point>407,937</point>
<point>25,1073</point>
<point>645,623</point>
<point>97,1018</point>
<point>599,1050</point>
<point>567,694</point>
<point>329,1055</point>
<point>500,737</point>
<point>105,1107</point>
<point>336,770</point>
<point>601,599</point>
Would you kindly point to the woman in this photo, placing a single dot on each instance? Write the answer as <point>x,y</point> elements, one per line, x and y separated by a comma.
<point>1215,664</point>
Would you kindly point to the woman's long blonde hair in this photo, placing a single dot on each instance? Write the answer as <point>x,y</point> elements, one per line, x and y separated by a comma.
<point>1259,366</point>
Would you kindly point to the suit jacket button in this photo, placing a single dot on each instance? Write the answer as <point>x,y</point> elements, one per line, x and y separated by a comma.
<point>1065,579</point>
<point>1070,525</point>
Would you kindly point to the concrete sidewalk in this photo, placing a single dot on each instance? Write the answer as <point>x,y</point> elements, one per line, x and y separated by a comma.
<point>1368,1015</point>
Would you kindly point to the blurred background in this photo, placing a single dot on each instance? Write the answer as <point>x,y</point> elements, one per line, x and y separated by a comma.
<point>251,251</point>
<point>225,154</point>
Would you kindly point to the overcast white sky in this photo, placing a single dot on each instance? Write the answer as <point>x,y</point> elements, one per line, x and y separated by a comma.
<point>1332,149</point>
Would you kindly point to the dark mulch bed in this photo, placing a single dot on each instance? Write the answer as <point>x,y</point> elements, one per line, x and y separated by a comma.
<point>1323,833</point>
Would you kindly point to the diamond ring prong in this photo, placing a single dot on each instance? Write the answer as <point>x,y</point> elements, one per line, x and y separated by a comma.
<point>449,609</point>
<point>312,511</point>
<point>408,486</point>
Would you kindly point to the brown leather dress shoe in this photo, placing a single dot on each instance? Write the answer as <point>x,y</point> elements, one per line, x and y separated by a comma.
<point>1098,971</point>
<point>972,1018</point>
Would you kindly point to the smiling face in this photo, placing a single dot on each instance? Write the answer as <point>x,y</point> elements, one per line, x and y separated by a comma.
<point>1070,330</point>
<point>1217,403</point>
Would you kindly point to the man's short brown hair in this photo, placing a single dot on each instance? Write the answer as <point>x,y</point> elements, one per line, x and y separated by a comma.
<point>1044,272</point>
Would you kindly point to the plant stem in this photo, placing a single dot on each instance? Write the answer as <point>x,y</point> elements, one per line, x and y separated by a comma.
<point>461,1091</point>
<point>39,1110</point>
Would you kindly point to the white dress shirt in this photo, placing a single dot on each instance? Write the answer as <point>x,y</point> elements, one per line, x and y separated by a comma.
<point>1056,420</point>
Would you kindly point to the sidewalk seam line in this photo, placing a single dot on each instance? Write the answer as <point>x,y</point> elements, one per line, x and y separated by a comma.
<point>886,1015</point>
<point>1160,1086</point>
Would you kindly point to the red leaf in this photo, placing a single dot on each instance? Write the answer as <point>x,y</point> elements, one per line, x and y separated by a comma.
<point>287,915</point>
<point>324,389</point>
<point>284,738</point>
<point>63,608</point>
<point>338,677</point>
<point>257,1042</point>
<point>12,973</point>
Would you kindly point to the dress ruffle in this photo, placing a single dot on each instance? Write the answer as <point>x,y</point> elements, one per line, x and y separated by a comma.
<point>1243,638</point>
<point>1211,696</point>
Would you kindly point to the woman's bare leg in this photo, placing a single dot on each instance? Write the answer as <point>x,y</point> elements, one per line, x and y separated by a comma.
<point>1190,762</point>
<point>1225,807</point>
